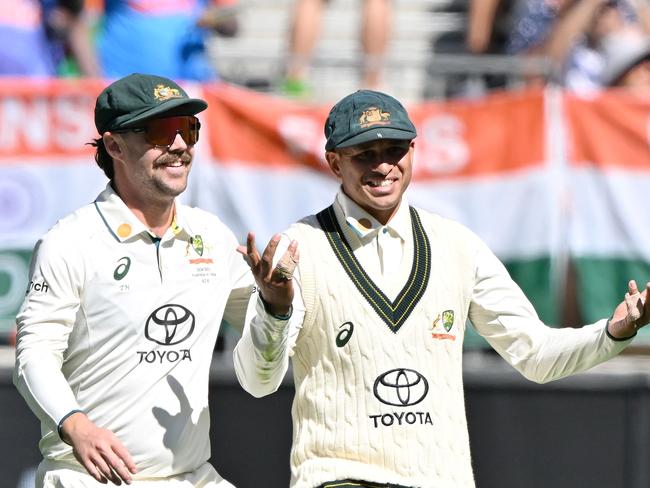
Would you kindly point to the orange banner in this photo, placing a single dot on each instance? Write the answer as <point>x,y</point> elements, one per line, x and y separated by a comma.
<point>499,133</point>
<point>612,130</point>
<point>256,129</point>
<point>472,138</point>
<point>52,120</point>
<point>49,119</point>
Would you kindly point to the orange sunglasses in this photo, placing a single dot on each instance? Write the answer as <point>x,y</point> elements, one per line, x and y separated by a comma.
<point>162,132</point>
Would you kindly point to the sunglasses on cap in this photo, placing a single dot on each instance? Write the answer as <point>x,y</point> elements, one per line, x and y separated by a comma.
<point>162,132</point>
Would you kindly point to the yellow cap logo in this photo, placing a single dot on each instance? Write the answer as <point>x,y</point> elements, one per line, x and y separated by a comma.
<point>374,116</point>
<point>162,93</point>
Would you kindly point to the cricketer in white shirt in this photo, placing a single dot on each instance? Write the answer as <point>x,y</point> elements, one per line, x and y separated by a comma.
<point>122,326</point>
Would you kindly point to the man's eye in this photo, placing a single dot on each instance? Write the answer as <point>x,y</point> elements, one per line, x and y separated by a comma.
<point>396,152</point>
<point>364,156</point>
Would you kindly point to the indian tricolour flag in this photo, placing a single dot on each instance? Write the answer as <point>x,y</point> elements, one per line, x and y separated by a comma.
<point>544,178</point>
<point>609,171</point>
<point>45,172</point>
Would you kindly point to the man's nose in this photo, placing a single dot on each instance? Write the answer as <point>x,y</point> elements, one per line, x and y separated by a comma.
<point>179,143</point>
<point>383,160</point>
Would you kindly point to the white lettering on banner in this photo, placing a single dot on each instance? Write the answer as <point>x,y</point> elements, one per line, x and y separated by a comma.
<point>73,124</point>
<point>441,145</point>
<point>42,123</point>
<point>26,120</point>
<point>303,135</point>
<point>13,282</point>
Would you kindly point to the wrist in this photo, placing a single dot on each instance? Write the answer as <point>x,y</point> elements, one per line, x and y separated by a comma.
<point>59,427</point>
<point>279,313</point>
<point>618,331</point>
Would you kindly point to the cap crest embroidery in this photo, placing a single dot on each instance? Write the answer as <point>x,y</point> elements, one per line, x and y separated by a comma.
<point>374,116</point>
<point>162,93</point>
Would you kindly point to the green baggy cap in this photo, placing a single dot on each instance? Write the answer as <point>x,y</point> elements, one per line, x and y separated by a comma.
<point>365,116</point>
<point>129,101</point>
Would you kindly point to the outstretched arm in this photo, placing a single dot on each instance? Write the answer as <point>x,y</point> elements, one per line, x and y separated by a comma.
<point>502,314</point>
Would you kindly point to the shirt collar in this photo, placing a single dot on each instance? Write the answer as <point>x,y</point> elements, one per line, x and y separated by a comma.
<point>123,222</point>
<point>365,225</point>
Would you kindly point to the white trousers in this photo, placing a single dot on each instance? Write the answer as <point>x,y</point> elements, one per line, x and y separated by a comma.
<point>50,475</point>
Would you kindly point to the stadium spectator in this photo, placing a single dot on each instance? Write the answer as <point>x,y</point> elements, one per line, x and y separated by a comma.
<point>164,37</point>
<point>485,34</point>
<point>373,312</point>
<point>305,28</point>
<point>627,62</point>
<point>569,33</point>
<point>481,22</point>
<point>116,332</point>
<point>38,36</point>
<point>69,31</point>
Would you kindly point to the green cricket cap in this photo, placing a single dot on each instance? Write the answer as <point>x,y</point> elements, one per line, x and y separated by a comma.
<point>133,99</point>
<point>364,116</point>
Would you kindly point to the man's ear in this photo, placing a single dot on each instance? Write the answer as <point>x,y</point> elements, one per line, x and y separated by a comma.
<point>113,146</point>
<point>333,162</point>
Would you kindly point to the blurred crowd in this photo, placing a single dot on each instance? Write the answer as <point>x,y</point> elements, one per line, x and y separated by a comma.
<point>584,45</point>
<point>589,44</point>
<point>112,38</point>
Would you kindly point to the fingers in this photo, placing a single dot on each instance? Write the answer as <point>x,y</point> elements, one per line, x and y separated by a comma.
<point>125,458</point>
<point>249,251</point>
<point>93,471</point>
<point>287,264</point>
<point>644,306</point>
<point>634,303</point>
<point>122,463</point>
<point>105,457</point>
<point>293,250</point>
<point>632,288</point>
<point>105,470</point>
<point>250,243</point>
<point>114,465</point>
<point>266,263</point>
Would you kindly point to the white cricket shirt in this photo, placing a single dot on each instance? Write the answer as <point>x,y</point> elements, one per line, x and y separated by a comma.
<point>124,329</point>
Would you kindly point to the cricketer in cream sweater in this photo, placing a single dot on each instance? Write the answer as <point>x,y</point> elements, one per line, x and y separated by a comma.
<point>382,295</point>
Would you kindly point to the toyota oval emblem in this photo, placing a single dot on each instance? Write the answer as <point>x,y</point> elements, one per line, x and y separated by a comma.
<point>169,325</point>
<point>401,387</point>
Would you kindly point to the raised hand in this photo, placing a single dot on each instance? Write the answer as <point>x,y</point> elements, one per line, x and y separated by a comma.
<point>632,313</point>
<point>275,283</point>
<point>98,450</point>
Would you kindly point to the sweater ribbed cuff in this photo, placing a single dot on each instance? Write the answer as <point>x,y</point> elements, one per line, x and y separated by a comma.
<point>286,316</point>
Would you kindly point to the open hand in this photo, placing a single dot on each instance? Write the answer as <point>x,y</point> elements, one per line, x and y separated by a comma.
<point>632,313</point>
<point>98,450</point>
<point>275,283</point>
